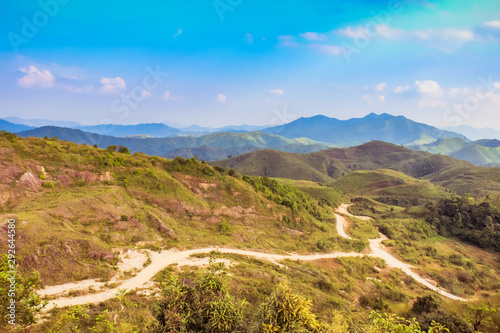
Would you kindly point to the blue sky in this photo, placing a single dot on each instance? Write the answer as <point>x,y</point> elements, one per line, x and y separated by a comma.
<point>254,62</point>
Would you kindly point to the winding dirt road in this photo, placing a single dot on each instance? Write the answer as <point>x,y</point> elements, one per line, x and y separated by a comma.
<point>161,260</point>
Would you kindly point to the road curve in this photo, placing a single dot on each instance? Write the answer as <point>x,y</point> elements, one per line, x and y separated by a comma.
<point>379,251</point>
<point>161,260</point>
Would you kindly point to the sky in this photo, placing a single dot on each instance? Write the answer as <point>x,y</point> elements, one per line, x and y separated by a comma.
<point>232,62</point>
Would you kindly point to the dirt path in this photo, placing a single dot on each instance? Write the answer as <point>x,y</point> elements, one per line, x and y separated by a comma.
<point>161,260</point>
<point>379,251</point>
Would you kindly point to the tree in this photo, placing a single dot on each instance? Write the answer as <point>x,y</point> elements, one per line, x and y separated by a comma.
<point>285,311</point>
<point>112,148</point>
<point>123,150</point>
<point>479,315</point>
<point>205,306</point>
<point>27,301</point>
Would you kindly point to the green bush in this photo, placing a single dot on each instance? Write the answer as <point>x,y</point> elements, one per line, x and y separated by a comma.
<point>48,185</point>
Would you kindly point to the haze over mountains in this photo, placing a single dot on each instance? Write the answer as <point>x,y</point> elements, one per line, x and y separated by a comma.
<point>303,135</point>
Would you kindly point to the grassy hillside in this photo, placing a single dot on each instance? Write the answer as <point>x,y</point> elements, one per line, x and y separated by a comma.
<point>480,152</point>
<point>208,147</point>
<point>447,172</point>
<point>76,203</point>
<point>389,186</point>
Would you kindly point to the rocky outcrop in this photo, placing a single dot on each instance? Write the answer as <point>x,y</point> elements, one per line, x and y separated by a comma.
<point>29,181</point>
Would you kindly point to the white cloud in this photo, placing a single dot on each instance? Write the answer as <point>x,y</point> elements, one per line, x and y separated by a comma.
<point>453,34</point>
<point>313,36</point>
<point>146,93</point>
<point>429,88</point>
<point>401,89</point>
<point>288,40</point>
<point>380,86</point>
<point>178,33</point>
<point>276,91</point>
<point>221,98</point>
<point>459,91</point>
<point>426,102</point>
<point>367,99</point>
<point>86,89</point>
<point>36,78</point>
<point>492,24</point>
<point>388,32</point>
<point>167,95</point>
<point>352,32</point>
<point>328,49</point>
<point>249,38</point>
<point>381,98</point>
<point>113,85</point>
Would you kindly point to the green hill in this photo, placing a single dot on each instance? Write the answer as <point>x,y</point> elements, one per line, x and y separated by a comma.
<point>389,186</point>
<point>481,152</point>
<point>208,147</point>
<point>90,200</point>
<point>457,175</point>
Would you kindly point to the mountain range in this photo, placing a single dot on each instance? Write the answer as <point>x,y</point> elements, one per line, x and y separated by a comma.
<point>303,135</point>
<point>326,166</point>
<point>356,131</point>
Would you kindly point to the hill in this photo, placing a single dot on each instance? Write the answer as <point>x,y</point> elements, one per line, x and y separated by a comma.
<point>475,133</point>
<point>90,200</point>
<point>445,171</point>
<point>390,187</point>
<point>11,127</point>
<point>209,147</point>
<point>356,131</point>
<point>481,152</point>
<point>153,130</point>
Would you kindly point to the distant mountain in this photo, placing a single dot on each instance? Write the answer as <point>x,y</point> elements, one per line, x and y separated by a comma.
<point>327,165</point>
<point>13,128</point>
<point>233,128</point>
<point>355,131</point>
<point>475,133</point>
<point>209,147</point>
<point>41,122</point>
<point>481,152</point>
<point>153,130</point>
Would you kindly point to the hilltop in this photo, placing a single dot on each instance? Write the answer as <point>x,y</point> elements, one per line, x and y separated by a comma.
<point>208,147</point>
<point>356,131</point>
<point>457,175</point>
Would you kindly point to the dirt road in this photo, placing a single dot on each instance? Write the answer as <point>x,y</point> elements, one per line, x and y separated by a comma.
<point>161,260</point>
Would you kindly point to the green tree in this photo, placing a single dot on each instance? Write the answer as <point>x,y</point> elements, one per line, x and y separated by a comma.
<point>27,301</point>
<point>479,315</point>
<point>205,306</point>
<point>285,311</point>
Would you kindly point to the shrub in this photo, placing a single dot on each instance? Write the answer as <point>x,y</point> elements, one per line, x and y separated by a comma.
<point>123,150</point>
<point>225,227</point>
<point>124,218</point>
<point>48,185</point>
<point>42,177</point>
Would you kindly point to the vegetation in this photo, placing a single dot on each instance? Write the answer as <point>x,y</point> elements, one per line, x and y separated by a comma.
<point>478,224</point>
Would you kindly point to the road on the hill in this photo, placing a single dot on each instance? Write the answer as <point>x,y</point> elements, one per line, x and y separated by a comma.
<point>165,258</point>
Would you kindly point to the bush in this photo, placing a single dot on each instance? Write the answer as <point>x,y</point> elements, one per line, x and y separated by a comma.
<point>123,150</point>
<point>225,227</point>
<point>48,185</point>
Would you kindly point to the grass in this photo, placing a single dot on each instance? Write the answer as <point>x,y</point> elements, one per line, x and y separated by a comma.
<point>72,228</point>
